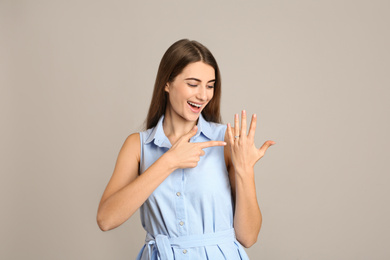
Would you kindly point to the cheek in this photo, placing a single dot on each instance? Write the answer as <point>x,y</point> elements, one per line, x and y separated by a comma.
<point>176,98</point>
<point>180,92</point>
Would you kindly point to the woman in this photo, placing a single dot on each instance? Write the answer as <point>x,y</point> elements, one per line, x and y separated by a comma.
<point>191,176</point>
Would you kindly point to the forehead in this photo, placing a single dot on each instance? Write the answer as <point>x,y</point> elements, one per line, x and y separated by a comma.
<point>199,70</point>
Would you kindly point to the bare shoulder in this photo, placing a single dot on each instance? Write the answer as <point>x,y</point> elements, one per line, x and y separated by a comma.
<point>132,146</point>
<point>126,167</point>
<point>133,139</point>
<point>127,164</point>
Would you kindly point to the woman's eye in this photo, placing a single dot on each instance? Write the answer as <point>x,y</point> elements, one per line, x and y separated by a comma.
<point>210,86</point>
<point>191,85</point>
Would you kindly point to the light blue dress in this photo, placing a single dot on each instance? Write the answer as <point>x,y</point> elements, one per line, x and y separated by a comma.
<point>190,215</point>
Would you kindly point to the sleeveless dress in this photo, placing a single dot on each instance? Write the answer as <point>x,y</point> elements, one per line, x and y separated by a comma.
<point>190,214</point>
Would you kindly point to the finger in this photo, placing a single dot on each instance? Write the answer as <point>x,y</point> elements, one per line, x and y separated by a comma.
<point>265,146</point>
<point>243,124</point>
<point>230,134</point>
<point>211,143</point>
<point>252,128</point>
<point>236,126</point>
<point>191,133</point>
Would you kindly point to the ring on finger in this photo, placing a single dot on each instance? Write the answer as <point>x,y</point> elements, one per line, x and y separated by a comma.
<point>236,136</point>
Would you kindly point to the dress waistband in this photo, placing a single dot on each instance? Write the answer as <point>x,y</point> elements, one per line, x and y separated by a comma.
<point>164,243</point>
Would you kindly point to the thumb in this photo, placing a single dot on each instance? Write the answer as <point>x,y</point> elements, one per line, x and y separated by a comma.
<point>191,133</point>
<point>265,146</point>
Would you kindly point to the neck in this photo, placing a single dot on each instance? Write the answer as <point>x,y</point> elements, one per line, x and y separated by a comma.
<point>175,126</point>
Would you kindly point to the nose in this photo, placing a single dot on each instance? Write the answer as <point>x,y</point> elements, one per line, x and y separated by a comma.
<point>202,93</point>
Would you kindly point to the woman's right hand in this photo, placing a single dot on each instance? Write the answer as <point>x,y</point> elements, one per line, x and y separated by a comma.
<point>184,154</point>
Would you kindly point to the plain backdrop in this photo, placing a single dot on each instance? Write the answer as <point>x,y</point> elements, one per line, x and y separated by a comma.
<point>76,79</point>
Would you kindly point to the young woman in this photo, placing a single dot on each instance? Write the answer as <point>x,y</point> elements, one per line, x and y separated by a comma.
<point>191,176</point>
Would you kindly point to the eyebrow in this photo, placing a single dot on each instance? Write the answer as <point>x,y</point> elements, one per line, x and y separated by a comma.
<point>213,80</point>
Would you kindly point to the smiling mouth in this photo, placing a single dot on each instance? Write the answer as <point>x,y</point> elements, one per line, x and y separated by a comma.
<point>194,104</point>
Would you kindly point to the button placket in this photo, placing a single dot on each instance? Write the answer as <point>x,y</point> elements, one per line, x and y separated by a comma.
<point>180,203</point>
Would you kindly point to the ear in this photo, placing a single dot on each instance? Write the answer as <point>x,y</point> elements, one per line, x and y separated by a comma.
<point>166,88</point>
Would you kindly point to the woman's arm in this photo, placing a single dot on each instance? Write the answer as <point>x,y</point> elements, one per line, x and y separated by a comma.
<point>242,156</point>
<point>127,191</point>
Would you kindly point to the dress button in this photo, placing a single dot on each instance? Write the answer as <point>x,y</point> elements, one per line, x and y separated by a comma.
<point>184,251</point>
<point>181,223</point>
<point>178,194</point>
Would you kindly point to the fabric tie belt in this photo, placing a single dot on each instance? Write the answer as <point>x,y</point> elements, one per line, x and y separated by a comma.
<point>164,243</point>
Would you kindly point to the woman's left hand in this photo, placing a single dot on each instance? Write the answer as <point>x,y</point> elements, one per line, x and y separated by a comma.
<point>244,153</point>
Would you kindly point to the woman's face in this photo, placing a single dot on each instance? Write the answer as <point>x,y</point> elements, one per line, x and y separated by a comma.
<point>191,90</point>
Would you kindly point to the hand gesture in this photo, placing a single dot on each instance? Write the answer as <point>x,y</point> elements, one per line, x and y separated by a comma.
<point>184,154</point>
<point>243,151</point>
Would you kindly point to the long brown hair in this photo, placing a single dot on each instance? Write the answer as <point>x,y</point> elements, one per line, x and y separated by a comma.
<point>175,59</point>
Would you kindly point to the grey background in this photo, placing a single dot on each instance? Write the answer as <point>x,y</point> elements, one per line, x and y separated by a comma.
<point>76,79</point>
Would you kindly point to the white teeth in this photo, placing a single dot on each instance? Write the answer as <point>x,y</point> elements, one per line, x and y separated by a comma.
<point>193,104</point>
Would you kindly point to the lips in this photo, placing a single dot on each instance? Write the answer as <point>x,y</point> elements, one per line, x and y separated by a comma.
<point>194,104</point>
<point>195,107</point>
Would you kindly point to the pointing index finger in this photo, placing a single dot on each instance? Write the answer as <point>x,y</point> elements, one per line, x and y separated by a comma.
<point>211,143</point>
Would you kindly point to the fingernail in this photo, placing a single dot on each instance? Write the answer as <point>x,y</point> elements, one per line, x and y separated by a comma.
<point>244,112</point>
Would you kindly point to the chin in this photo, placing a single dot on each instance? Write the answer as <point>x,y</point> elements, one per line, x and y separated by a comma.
<point>192,118</point>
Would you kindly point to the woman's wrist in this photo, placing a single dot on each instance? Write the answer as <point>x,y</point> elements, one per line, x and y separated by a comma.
<point>244,172</point>
<point>168,161</point>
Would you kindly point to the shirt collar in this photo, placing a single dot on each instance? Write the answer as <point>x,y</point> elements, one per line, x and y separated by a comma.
<point>161,140</point>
